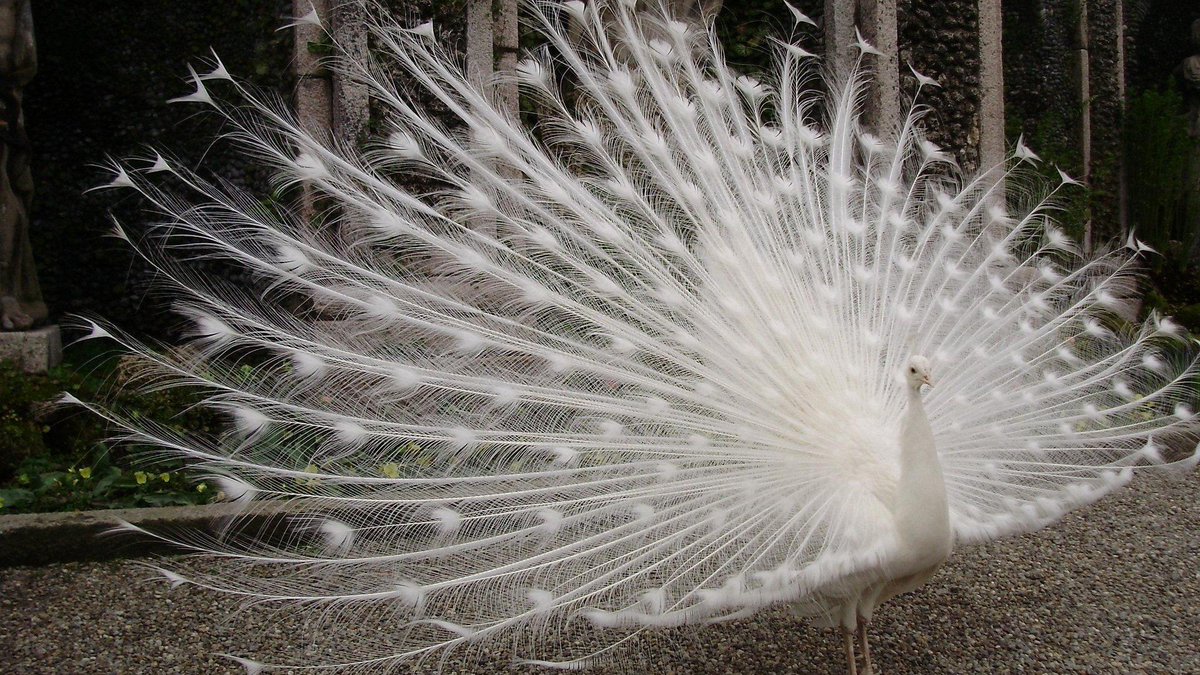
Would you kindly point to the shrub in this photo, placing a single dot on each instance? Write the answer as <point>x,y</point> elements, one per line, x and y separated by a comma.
<point>56,458</point>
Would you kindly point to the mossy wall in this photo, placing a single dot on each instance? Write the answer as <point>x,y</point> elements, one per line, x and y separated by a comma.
<point>746,27</point>
<point>1042,96</point>
<point>1041,100</point>
<point>1104,22</point>
<point>106,70</point>
<point>1162,161</point>
<point>940,38</point>
<point>1157,36</point>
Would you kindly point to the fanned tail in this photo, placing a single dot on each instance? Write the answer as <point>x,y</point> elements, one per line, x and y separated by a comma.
<point>634,367</point>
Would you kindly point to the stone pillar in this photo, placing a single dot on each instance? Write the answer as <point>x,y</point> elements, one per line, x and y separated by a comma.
<point>1122,176</point>
<point>1083,77</point>
<point>507,43</point>
<point>481,57</point>
<point>21,306</point>
<point>876,20</point>
<point>327,102</point>
<point>1106,111</point>
<point>878,26</point>
<point>492,44</point>
<point>351,99</point>
<point>314,90</point>
<point>839,33</point>
<point>481,65</point>
<point>328,105</point>
<point>992,144</point>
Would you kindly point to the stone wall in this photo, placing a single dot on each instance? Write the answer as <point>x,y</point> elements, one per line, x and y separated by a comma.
<point>1106,109</point>
<point>1039,96</point>
<point>1041,99</point>
<point>108,68</point>
<point>106,71</point>
<point>940,39</point>
<point>1156,40</point>
<point>1046,46</point>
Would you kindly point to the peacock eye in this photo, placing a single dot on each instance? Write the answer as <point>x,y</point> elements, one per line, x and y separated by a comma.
<point>912,370</point>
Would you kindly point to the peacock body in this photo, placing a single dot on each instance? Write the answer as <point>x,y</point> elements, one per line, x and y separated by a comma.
<point>655,361</point>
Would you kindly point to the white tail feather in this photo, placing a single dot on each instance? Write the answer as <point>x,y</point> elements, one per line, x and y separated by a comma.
<point>660,385</point>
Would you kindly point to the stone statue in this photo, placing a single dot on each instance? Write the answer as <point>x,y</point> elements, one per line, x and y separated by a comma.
<point>1189,73</point>
<point>21,305</point>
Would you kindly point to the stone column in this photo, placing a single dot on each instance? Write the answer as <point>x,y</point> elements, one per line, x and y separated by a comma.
<point>328,102</point>
<point>878,26</point>
<point>22,340</point>
<point>1106,108</point>
<point>351,99</point>
<point>492,45</point>
<point>876,20</point>
<point>1083,80</point>
<point>314,90</point>
<point>839,33</point>
<point>329,105</point>
<point>992,144</point>
<point>506,42</point>
<point>481,56</point>
<point>1122,176</point>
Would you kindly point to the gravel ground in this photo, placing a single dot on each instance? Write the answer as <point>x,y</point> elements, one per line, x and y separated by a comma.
<point>1112,589</point>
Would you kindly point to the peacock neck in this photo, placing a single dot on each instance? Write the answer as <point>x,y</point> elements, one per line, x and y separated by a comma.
<point>922,512</point>
<point>917,450</point>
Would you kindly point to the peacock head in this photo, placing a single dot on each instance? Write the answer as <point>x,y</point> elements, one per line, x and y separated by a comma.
<point>918,372</point>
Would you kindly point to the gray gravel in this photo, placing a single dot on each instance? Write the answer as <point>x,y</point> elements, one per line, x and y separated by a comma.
<point>1112,589</point>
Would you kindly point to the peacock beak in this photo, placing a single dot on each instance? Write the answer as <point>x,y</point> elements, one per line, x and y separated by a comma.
<point>928,379</point>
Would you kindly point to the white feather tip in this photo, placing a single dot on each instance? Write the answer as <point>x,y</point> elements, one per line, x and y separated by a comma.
<point>799,17</point>
<point>861,44</point>
<point>201,94</point>
<point>1023,153</point>
<point>252,667</point>
<point>176,580</point>
<point>922,79</point>
<point>219,71</point>
<point>424,30</point>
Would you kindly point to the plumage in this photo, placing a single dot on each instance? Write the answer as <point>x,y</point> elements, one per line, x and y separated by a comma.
<point>646,364</point>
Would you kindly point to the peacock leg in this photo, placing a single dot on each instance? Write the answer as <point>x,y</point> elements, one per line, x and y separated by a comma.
<point>848,640</point>
<point>866,649</point>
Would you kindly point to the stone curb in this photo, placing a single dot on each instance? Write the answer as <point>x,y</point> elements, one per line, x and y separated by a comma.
<point>46,538</point>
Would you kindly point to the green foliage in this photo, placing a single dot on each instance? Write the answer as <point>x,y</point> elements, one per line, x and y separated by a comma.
<point>1050,137</point>
<point>1164,204</point>
<point>44,485</point>
<point>747,28</point>
<point>1175,291</point>
<point>55,458</point>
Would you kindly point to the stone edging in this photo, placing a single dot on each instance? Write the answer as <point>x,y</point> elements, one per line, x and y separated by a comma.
<point>45,538</point>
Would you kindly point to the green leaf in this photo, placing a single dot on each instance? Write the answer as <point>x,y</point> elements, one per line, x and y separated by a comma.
<point>322,48</point>
<point>105,482</point>
<point>15,497</point>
